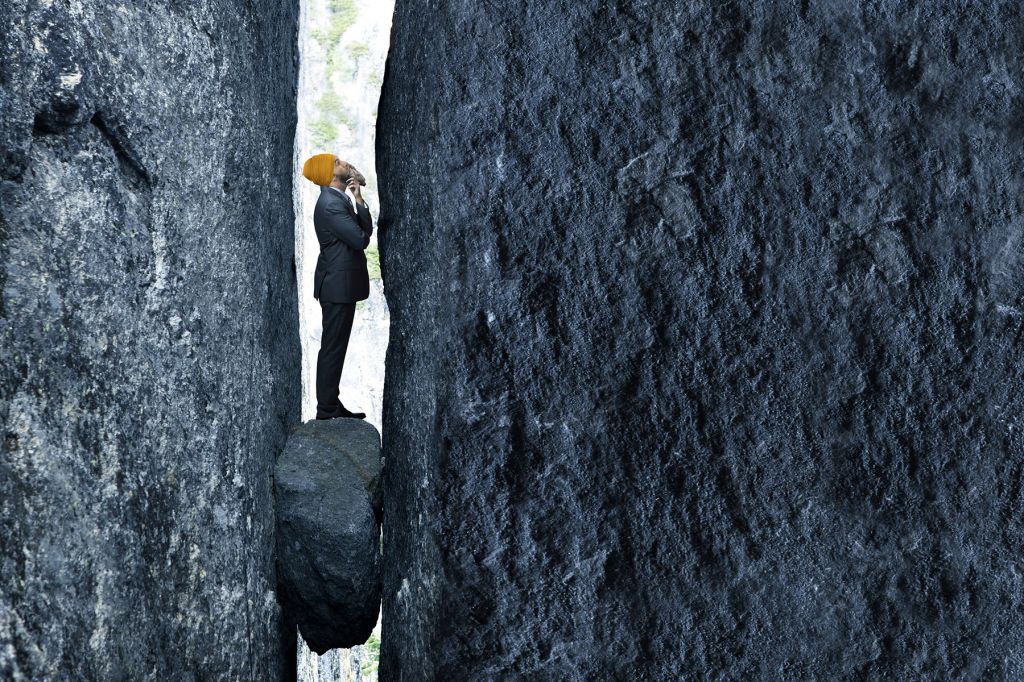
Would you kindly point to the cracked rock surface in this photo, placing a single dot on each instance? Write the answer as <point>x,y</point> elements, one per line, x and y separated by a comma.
<point>706,356</point>
<point>149,358</point>
<point>328,495</point>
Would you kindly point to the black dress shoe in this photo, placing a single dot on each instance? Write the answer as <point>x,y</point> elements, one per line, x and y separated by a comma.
<point>352,415</point>
<point>335,412</point>
<point>341,411</point>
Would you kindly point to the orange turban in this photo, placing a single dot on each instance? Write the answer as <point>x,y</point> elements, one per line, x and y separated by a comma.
<point>319,168</point>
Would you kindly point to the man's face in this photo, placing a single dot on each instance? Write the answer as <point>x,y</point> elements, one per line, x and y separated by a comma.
<point>343,170</point>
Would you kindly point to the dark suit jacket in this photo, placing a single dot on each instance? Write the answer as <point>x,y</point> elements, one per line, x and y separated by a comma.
<point>343,233</point>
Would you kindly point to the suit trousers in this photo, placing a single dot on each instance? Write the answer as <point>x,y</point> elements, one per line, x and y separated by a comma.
<point>330,360</point>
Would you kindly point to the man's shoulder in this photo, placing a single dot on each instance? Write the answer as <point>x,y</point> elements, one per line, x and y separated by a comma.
<point>328,196</point>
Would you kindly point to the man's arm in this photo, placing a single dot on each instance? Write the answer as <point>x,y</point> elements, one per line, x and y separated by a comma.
<point>341,225</point>
<point>365,219</point>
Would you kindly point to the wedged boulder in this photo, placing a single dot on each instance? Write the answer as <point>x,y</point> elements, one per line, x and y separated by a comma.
<point>329,506</point>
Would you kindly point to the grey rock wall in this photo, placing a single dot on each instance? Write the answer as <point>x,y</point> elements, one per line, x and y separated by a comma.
<point>149,358</point>
<point>328,505</point>
<point>705,355</point>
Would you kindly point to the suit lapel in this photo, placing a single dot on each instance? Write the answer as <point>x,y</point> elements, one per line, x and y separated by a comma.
<point>348,204</point>
<point>343,198</point>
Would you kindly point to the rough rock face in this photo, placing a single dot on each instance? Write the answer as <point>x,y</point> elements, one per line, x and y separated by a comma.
<point>327,489</point>
<point>149,359</point>
<point>705,358</point>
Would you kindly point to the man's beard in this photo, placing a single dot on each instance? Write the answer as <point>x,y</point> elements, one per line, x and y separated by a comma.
<point>353,173</point>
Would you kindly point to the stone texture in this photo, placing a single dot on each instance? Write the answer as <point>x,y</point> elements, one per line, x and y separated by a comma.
<point>149,357</point>
<point>705,356</point>
<point>327,489</point>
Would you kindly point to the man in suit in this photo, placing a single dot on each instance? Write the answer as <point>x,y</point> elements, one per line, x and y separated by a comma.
<point>343,227</point>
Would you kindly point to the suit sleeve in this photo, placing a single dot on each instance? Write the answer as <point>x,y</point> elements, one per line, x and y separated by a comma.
<point>341,225</point>
<point>365,219</point>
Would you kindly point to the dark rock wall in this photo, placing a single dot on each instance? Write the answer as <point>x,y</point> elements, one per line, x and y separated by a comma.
<point>149,355</point>
<point>705,353</point>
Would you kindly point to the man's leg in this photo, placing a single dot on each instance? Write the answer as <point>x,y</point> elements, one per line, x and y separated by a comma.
<point>337,327</point>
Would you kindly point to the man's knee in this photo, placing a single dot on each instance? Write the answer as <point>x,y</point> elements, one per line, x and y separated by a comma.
<point>333,350</point>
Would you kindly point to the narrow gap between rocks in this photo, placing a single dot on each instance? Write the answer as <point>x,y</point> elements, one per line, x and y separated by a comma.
<point>343,46</point>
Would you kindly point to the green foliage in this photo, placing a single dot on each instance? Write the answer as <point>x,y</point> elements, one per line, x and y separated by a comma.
<point>336,66</point>
<point>373,261</point>
<point>375,79</point>
<point>331,113</point>
<point>329,104</point>
<point>320,36</point>
<point>346,118</point>
<point>372,647</point>
<point>344,8</point>
<point>357,50</point>
<point>323,132</point>
<point>343,13</point>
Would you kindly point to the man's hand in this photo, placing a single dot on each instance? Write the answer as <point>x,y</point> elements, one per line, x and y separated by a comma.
<point>353,184</point>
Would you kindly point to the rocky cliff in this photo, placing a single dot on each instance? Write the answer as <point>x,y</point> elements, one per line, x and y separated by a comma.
<point>149,358</point>
<point>705,355</point>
